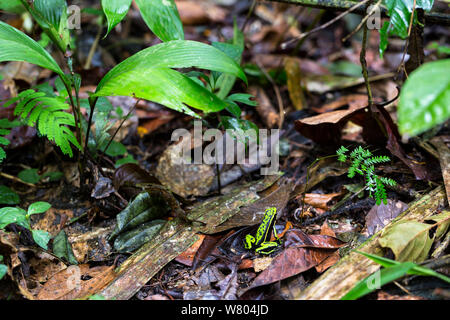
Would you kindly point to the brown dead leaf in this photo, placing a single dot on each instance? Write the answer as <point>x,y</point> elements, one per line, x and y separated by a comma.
<point>325,128</point>
<point>265,108</point>
<point>381,215</point>
<point>69,284</point>
<point>328,262</point>
<point>294,79</point>
<point>320,200</point>
<point>354,101</point>
<point>298,238</point>
<point>200,12</point>
<point>187,257</point>
<point>289,262</point>
<point>326,230</point>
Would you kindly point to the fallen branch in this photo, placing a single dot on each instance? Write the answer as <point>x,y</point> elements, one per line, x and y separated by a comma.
<point>342,5</point>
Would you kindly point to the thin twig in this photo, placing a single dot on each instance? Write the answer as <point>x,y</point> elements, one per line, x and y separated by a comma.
<point>13,178</point>
<point>120,126</point>
<point>366,17</point>
<point>402,62</point>
<point>94,46</point>
<point>325,25</point>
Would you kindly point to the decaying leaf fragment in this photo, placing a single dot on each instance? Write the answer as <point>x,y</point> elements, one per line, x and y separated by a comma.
<point>410,240</point>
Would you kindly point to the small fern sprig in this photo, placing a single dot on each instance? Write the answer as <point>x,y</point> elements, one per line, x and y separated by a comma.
<point>48,116</point>
<point>362,162</point>
<point>5,129</point>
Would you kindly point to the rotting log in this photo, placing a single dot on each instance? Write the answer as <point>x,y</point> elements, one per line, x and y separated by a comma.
<point>339,279</point>
<point>342,5</point>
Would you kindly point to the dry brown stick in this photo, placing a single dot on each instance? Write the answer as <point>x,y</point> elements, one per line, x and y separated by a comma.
<point>7,176</point>
<point>366,17</point>
<point>402,62</point>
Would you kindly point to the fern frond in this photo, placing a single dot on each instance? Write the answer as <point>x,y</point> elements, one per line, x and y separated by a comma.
<point>380,193</point>
<point>388,181</point>
<point>342,157</point>
<point>47,115</point>
<point>5,126</point>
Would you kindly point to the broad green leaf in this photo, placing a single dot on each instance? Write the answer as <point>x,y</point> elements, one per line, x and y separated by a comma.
<point>12,215</point>
<point>162,17</point>
<point>29,175</point>
<point>134,239</point>
<point>425,98</point>
<point>244,98</point>
<point>148,75</point>
<point>410,240</point>
<point>381,277</point>
<point>63,249</point>
<point>226,81</point>
<point>115,11</point>
<point>13,6</point>
<point>17,46</point>
<point>41,237</point>
<point>233,108</point>
<point>3,270</point>
<point>51,15</point>
<point>115,149</point>
<point>416,270</point>
<point>7,196</point>
<point>399,12</point>
<point>242,130</point>
<point>38,207</point>
<point>51,10</point>
<point>143,208</point>
<point>383,38</point>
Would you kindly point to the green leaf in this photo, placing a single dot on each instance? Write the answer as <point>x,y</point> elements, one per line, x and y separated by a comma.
<point>41,237</point>
<point>243,98</point>
<point>400,18</point>
<point>17,46</point>
<point>53,176</point>
<point>162,17</point>
<point>29,175</point>
<point>63,249</point>
<point>240,129</point>
<point>38,207</point>
<point>96,297</point>
<point>13,6</point>
<point>128,159</point>
<point>233,108</point>
<point>115,149</point>
<point>425,98</point>
<point>115,11</point>
<point>12,215</point>
<point>385,275</point>
<point>3,270</point>
<point>147,75</point>
<point>226,81</point>
<point>417,270</point>
<point>7,196</point>
<point>51,15</point>
<point>52,10</point>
